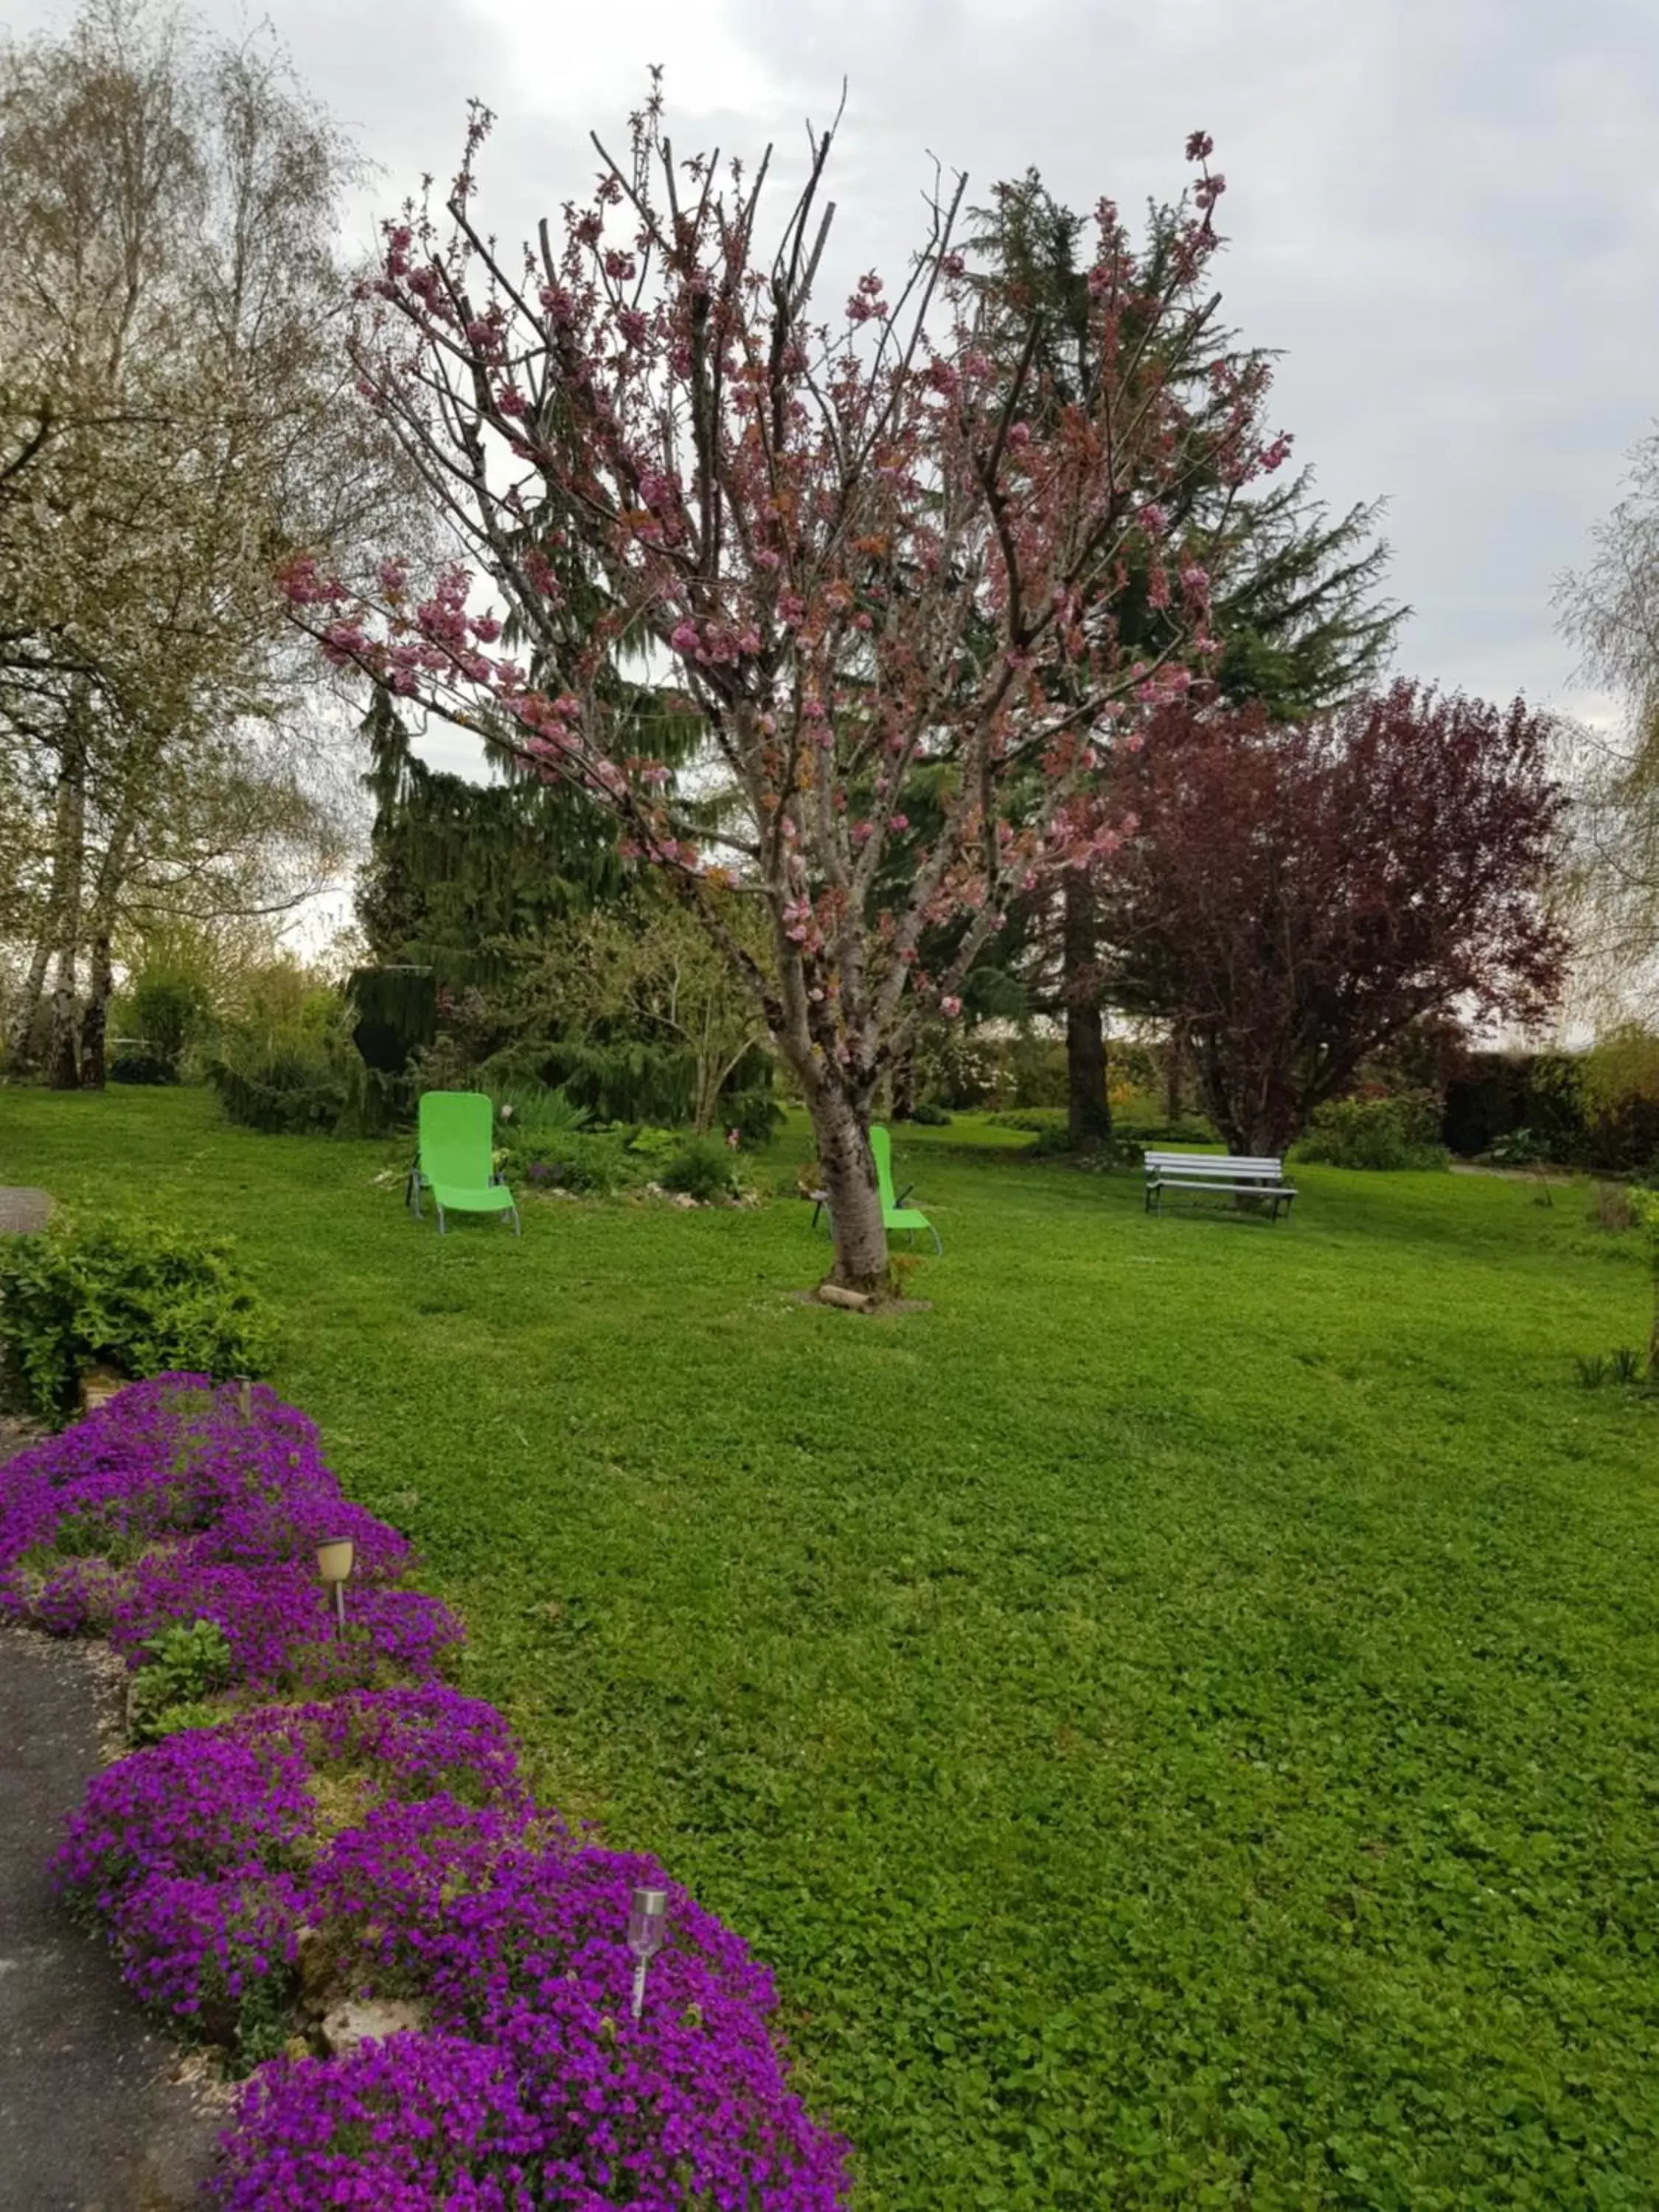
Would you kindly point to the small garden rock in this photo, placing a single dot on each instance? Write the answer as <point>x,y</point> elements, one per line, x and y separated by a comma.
<point>359,2019</point>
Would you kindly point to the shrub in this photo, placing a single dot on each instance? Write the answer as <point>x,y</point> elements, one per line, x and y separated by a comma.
<point>1388,1134</point>
<point>141,1067</point>
<point>628,1080</point>
<point>1612,1209</point>
<point>528,1110</point>
<point>128,1294</point>
<point>1497,1094</point>
<point>292,1088</point>
<point>755,1114</point>
<point>1517,1148</point>
<point>957,1068</point>
<point>167,1012</point>
<point>703,1168</point>
<point>929,1117</point>
<point>596,1163</point>
<point>1035,1071</point>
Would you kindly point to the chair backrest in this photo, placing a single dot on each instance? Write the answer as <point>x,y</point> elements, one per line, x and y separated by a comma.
<point>457,1129</point>
<point>881,1145</point>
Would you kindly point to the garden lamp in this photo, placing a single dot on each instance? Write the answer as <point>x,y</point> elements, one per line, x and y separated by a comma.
<point>647,1913</point>
<point>334,1559</point>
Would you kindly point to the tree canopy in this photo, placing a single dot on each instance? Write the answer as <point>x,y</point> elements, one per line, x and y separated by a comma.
<point>177,414</point>
<point>1297,895</point>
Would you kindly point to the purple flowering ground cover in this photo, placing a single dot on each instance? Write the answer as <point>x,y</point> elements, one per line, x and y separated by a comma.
<point>346,1825</point>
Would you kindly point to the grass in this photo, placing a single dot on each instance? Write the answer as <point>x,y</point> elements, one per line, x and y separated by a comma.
<point>1180,1717</point>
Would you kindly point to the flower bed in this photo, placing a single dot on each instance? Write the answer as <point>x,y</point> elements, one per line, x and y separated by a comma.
<point>377,1842</point>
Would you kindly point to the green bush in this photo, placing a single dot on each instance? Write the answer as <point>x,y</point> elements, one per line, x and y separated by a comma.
<point>167,1010</point>
<point>128,1294</point>
<point>1188,1129</point>
<point>1034,1069</point>
<point>656,1146</point>
<point>1374,1132</point>
<point>141,1067</point>
<point>527,1110</point>
<point>293,1089</point>
<point>704,1169</point>
<point>755,1114</point>
<point>597,1163</point>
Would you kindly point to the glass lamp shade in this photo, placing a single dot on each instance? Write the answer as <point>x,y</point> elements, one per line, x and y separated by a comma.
<point>647,1914</point>
<point>334,1559</point>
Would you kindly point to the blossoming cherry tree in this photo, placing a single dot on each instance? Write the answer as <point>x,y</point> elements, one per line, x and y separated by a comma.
<point>864,550</point>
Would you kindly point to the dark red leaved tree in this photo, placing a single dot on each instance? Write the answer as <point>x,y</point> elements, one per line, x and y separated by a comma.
<point>1295,898</point>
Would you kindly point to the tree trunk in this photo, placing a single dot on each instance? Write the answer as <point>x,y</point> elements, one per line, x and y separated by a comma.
<point>68,861</point>
<point>1088,1110</point>
<point>95,1020</point>
<point>25,1043</point>
<point>849,1176</point>
<point>106,897</point>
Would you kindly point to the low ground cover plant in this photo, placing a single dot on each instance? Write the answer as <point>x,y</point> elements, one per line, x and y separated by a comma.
<point>262,1860</point>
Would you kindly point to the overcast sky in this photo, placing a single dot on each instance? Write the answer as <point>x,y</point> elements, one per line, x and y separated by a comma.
<point>1445,212</point>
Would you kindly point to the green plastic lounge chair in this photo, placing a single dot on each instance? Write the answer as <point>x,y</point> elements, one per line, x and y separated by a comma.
<point>455,1161</point>
<point>895,1214</point>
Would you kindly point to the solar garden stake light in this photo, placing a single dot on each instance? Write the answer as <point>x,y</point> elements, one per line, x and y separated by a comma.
<point>646,1909</point>
<point>245,1396</point>
<point>334,1559</point>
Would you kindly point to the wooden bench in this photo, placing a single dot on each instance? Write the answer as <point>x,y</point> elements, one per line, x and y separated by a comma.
<point>1219,1171</point>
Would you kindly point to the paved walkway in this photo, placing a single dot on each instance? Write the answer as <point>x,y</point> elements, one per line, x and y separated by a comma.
<point>23,1211</point>
<point>90,2118</point>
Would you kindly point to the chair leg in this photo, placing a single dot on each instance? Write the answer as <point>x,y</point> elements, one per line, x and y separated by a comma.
<point>442,1230</point>
<point>938,1249</point>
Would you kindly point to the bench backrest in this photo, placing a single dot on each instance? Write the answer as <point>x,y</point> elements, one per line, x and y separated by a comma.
<point>1212,1164</point>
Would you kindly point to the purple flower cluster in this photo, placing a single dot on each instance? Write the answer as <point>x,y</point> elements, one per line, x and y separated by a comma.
<point>167,1506</point>
<point>515,1942</point>
<point>412,2124</point>
<point>198,1852</point>
<point>378,1842</point>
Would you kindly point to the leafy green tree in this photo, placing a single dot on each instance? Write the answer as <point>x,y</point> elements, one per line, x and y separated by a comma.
<point>643,968</point>
<point>467,878</point>
<point>176,416</point>
<point>1294,591</point>
<point>1610,610</point>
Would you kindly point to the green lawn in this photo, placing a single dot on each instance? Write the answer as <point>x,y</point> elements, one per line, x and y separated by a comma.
<point>1180,1717</point>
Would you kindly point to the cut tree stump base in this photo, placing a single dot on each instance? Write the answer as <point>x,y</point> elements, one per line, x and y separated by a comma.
<point>871,1309</point>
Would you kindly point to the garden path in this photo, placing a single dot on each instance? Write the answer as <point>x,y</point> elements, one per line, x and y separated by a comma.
<point>93,2117</point>
<point>23,1211</point>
